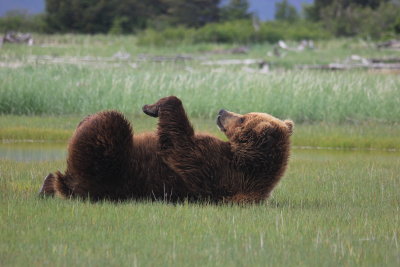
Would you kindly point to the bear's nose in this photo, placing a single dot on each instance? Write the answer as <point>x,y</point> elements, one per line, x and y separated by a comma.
<point>222,111</point>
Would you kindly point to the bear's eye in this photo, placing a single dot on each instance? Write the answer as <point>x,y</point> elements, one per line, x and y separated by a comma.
<point>241,120</point>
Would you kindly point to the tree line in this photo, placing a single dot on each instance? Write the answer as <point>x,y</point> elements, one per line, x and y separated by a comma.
<point>127,16</point>
<point>373,18</point>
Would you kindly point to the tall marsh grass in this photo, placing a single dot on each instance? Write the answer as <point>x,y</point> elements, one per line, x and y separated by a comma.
<point>299,95</point>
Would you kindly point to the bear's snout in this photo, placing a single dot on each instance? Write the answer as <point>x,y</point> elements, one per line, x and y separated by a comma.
<point>220,118</point>
<point>223,118</point>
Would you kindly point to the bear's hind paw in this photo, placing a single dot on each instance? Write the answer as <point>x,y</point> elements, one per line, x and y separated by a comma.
<point>48,186</point>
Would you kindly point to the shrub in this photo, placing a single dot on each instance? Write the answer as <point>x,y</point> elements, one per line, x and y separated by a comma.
<point>169,36</point>
<point>306,30</point>
<point>118,26</point>
<point>229,32</point>
<point>240,31</point>
<point>20,20</point>
<point>355,20</point>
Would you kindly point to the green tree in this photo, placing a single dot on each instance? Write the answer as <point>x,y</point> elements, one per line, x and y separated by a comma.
<point>235,10</point>
<point>100,16</point>
<point>370,18</point>
<point>315,11</point>
<point>190,13</point>
<point>284,11</point>
<point>21,20</point>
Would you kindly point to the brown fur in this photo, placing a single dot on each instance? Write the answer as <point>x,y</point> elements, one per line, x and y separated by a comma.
<point>105,161</point>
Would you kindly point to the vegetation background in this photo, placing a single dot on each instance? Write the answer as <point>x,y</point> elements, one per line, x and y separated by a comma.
<point>339,201</point>
<point>209,20</point>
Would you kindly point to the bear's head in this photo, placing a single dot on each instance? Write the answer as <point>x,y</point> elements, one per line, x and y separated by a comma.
<point>260,145</point>
<point>254,126</point>
<point>260,142</point>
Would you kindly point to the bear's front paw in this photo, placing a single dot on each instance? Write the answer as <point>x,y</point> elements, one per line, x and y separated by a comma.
<point>153,110</point>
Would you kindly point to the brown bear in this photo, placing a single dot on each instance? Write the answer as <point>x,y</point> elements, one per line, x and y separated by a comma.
<point>174,163</point>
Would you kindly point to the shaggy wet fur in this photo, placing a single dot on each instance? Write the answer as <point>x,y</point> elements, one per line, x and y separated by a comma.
<point>105,160</point>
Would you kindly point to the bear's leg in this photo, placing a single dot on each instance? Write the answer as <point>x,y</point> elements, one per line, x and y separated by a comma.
<point>100,157</point>
<point>174,128</point>
<point>178,147</point>
<point>47,187</point>
<point>54,184</point>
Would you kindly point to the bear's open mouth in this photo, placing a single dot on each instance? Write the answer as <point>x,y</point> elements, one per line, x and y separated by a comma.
<point>219,123</point>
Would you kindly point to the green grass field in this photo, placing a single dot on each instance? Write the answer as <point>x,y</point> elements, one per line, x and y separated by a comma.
<point>338,203</point>
<point>332,208</point>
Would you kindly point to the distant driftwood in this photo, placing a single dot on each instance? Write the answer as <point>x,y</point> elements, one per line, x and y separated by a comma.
<point>259,62</point>
<point>17,38</point>
<point>235,50</point>
<point>304,44</point>
<point>357,62</point>
<point>340,66</point>
<point>385,60</point>
<point>392,44</point>
<point>164,58</point>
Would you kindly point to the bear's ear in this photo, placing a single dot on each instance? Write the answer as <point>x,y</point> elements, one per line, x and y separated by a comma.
<point>290,126</point>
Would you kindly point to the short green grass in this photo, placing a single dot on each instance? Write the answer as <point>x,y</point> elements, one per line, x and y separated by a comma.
<point>332,208</point>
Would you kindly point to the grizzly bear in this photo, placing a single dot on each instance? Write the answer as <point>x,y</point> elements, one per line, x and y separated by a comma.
<point>105,160</point>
